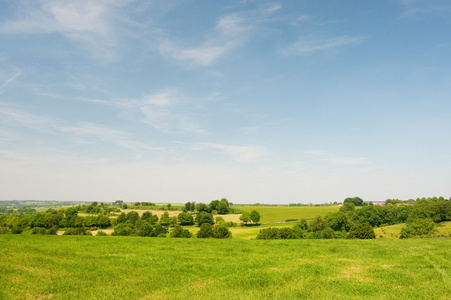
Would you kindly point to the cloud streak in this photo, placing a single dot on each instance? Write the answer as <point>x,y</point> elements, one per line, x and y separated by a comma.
<point>166,110</point>
<point>90,24</point>
<point>9,81</point>
<point>231,31</point>
<point>307,46</point>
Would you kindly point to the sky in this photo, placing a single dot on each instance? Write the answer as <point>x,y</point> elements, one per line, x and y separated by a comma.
<point>253,101</point>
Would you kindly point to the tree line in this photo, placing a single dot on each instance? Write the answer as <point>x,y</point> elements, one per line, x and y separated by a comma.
<point>421,220</point>
<point>130,223</point>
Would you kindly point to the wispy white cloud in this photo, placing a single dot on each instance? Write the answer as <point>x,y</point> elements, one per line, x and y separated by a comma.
<point>167,110</point>
<point>230,32</point>
<point>417,8</point>
<point>22,118</point>
<point>105,134</point>
<point>9,81</point>
<point>306,46</point>
<point>88,23</point>
<point>243,154</point>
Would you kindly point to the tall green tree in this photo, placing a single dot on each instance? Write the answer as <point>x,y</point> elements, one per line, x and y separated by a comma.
<point>254,216</point>
<point>185,218</point>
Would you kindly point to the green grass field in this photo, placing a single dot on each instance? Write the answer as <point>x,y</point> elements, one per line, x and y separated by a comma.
<point>282,213</point>
<point>89,267</point>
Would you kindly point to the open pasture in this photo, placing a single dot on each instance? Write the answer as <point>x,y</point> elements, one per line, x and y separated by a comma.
<point>90,267</point>
<point>282,213</point>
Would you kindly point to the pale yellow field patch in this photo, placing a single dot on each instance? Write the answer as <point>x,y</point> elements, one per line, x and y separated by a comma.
<point>229,218</point>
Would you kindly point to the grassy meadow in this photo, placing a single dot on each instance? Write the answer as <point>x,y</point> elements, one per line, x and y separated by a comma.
<point>282,213</point>
<point>90,267</point>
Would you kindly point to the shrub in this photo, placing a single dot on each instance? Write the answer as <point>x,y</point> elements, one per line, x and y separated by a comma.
<point>52,230</point>
<point>160,230</point>
<point>76,231</point>
<point>268,234</point>
<point>205,231</point>
<point>204,217</point>
<point>231,224</point>
<point>4,230</point>
<point>220,220</point>
<point>179,232</point>
<point>418,228</point>
<point>101,233</point>
<point>328,233</point>
<point>361,231</point>
<point>185,218</point>
<point>123,229</point>
<point>221,232</point>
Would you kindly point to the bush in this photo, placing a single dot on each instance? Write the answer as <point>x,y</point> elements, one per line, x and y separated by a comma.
<point>205,231</point>
<point>268,234</point>
<point>101,233</point>
<point>220,220</point>
<point>185,218</point>
<point>179,232</point>
<point>361,231</point>
<point>328,233</point>
<point>52,230</point>
<point>418,228</point>
<point>221,232</point>
<point>204,217</point>
<point>160,230</point>
<point>76,231</point>
<point>123,229</point>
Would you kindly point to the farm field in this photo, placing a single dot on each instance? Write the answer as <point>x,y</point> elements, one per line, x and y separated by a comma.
<point>89,267</point>
<point>282,213</point>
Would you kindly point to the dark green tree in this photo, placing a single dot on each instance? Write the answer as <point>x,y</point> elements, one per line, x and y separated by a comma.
<point>204,217</point>
<point>221,232</point>
<point>356,201</point>
<point>418,228</point>
<point>245,218</point>
<point>254,216</point>
<point>132,217</point>
<point>223,207</point>
<point>185,218</point>
<point>205,231</point>
<point>361,231</point>
<point>179,232</point>
<point>165,219</point>
<point>214,205</point>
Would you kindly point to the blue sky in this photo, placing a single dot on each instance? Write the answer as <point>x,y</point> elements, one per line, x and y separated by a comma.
<point>255,101</point>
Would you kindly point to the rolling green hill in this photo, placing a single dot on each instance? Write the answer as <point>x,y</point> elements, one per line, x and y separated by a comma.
<point>90,267</point>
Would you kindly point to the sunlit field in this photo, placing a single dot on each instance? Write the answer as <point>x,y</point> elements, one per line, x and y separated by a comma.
<point>90,267</point>
<point>282,213</point>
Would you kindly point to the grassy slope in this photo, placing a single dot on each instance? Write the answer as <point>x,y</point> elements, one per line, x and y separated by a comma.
<point>84,267</point>
<point>393,231</point>
<point>282,213</point>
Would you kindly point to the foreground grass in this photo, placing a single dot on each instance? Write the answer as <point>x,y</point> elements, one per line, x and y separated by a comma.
<point>85,267</point>
<point>282,213</point>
